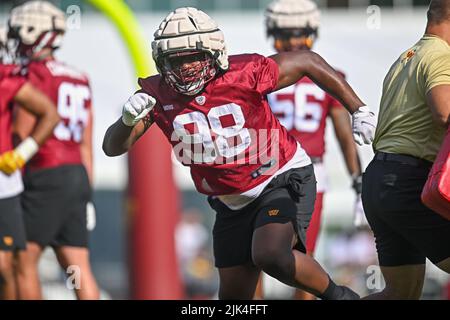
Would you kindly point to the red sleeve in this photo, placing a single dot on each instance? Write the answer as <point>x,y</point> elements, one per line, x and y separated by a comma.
<point>9,86</point>
<point>266,74</point>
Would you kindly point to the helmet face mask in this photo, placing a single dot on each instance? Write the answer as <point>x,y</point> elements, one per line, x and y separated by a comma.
<point>189,50</point>
<point>187,72</point>
<point>293,24</point>
<point>293,39</point>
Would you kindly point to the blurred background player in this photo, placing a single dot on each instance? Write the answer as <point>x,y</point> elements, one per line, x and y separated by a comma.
<point>15,89</point>
<point>57,179</point>
<point>194,254</point>
<point>264,206</point>
<point>303,108</point>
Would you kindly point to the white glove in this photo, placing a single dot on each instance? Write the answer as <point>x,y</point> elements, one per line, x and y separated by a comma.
<point>91,218</point>
<point>359,218</point>
<point>364,124</point>
<point>136,108</point>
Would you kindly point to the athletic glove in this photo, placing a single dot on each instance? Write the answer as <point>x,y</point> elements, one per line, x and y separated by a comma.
<point>363,126</point>
<point>136,108</point>
<point>13,160</point>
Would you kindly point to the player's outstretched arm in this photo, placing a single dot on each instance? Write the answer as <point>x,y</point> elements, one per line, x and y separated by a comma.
<point>122,135</point>
<point>297,64</point>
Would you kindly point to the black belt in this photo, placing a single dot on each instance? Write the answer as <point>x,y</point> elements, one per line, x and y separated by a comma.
<point>402,158</point>
<point>315,160</point>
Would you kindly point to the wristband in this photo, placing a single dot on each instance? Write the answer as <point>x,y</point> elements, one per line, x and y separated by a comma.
<point>27,149</point>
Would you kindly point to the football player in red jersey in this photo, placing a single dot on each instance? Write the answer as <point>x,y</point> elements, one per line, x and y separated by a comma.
<point>15,89</point>
<point>303,108</point>
<point>213,109</point>
<point>57,187</point>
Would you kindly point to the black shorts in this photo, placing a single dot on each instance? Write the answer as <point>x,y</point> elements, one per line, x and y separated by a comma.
<point>54,204</point>
<point>406,232</point>
<point>289,197</point>
<point>12,229</point>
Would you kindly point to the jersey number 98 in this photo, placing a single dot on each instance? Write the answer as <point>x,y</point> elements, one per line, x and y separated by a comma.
<point>202,134</point>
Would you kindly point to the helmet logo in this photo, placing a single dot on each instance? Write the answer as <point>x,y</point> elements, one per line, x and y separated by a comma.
<point>200,100</point>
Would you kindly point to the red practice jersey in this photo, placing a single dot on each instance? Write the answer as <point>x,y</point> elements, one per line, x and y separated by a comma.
<point>70,91</point>
<point>226,134</point>
<point>303,109</point>
<point>10,84</point>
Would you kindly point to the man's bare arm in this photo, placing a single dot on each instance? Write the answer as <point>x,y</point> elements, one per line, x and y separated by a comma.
<point>343,131</point>
<point>37,103</point>
<point>438,99</point>
<point>44,110</point>
<point>87,156</point>
<point>295,65</point>
<point>119,138</point>
<point>136,119</point>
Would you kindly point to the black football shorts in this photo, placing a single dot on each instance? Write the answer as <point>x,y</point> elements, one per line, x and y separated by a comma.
<point>12,229</point>
<point>406,231</point>
<point>54,204</point>
<point>289,197</point>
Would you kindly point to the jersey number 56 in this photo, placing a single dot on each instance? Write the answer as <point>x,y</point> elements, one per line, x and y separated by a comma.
<point>298,113</point>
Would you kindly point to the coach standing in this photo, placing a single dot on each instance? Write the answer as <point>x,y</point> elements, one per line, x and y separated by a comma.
<point>413,117</point>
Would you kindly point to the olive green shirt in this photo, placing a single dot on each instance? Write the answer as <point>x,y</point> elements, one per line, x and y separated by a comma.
<point>405,124</point>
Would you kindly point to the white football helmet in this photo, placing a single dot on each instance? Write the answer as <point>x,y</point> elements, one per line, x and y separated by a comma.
<point>36,25</point>
<point>188,35</point>
<point>293,18</point>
